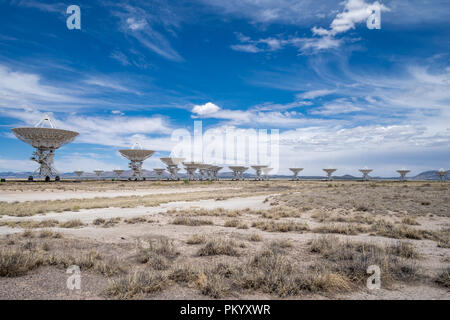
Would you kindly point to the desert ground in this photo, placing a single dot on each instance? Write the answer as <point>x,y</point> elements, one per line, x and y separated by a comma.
<point>273,239</point>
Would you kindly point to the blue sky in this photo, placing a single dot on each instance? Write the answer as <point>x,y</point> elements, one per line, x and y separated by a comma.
<point>340,94</point>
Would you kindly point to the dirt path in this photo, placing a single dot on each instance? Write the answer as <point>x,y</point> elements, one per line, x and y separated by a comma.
<point>89,215</point>
<point>9,196</point>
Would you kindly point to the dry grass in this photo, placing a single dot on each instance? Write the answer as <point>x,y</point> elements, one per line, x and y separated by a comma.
<point>185,221</point>
<point>49,234</point>
<point>137,220</point>
<point>75,223</point>
<point>351,259</point>
<point>379,198</point>
<point>19,261</point>
<point>443,278</point>
<point>255,237</point>
<point>271,272</point>
<point>15,262</point>
<point>235,223</point>
<point>157,254</point>
<point>219,247</point>
<point>217,212</point>
<point>186,274</point>
<point>280,226</point>
<point>347,229</point>
<point>28,224</point>
<point>196,239</point>
<point>410,221</point>
<point>322,216</point>
<point>50,223</point>
<point>138,283</point>
<point>106,223</point>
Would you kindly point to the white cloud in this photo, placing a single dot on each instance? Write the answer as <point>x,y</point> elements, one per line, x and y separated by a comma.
<point>246,48</point>
<point>272,11</point>
<point>142,23</point>
<point>318,44</point>
<point>306,45</point>
<point>205,109</point>
<point>135,24</point>
<point>18,88</point>
<point>115,130</point>
<point>338,106</point>
<point>108,83</point>
<point>355,11</point>
<point>315,93</point>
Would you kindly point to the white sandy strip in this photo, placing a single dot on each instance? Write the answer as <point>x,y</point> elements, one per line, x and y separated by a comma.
<point>64,195</point>
<point>89,215</point>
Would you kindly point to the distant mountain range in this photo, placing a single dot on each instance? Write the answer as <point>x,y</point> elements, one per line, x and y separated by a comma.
<point>426,175</point>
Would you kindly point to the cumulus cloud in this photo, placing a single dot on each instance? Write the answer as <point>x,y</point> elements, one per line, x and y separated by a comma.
<point>355,11</point>
<point>205,109</point>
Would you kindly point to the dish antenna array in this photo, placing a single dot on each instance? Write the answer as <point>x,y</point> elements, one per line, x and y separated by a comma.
<point>329,173</point>
<point>365,171</point>
<point>403,172</point>
<point>98,173</point>
<point>442,173</point>
<point>136,157</point>
<point>295,171</point>
<point>258,169</point>
<point>79,173</point>
<point>45,141</point>
<point>238,172</point>
<point>159,173</point>
<point>205,171</point>
<point>215,172</point>
<point>266,171</point>
<point>118,173</point>
<point>172,166</point>
<point>191,168</point>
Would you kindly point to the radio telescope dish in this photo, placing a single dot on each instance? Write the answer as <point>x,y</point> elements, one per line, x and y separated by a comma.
<point>205,171</point>
<point>191,167</point>
<point>442,173</point>
<point>295,171</point>
<point>118,173</point>
<point>238,172</point>
<point>403,172</point>
<point>136,157</point>
<point>79,173</point>
<point>258,169</point>
<point>215,172</point>
<point>45,141</point>
<point>365,171</point>
<point>172,166</point>
<point>329,173</point>
<point>266,172</point>
<point>98,173</point>
<point>159,172</point>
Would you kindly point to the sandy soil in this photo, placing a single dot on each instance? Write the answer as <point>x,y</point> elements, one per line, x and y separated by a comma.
<point>309,199</point>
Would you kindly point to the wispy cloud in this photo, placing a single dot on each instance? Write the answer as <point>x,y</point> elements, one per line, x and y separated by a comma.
<point>305,45</point>
<point>141,24</point>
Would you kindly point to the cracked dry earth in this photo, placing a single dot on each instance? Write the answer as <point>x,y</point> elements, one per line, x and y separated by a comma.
<point>246,240</point>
